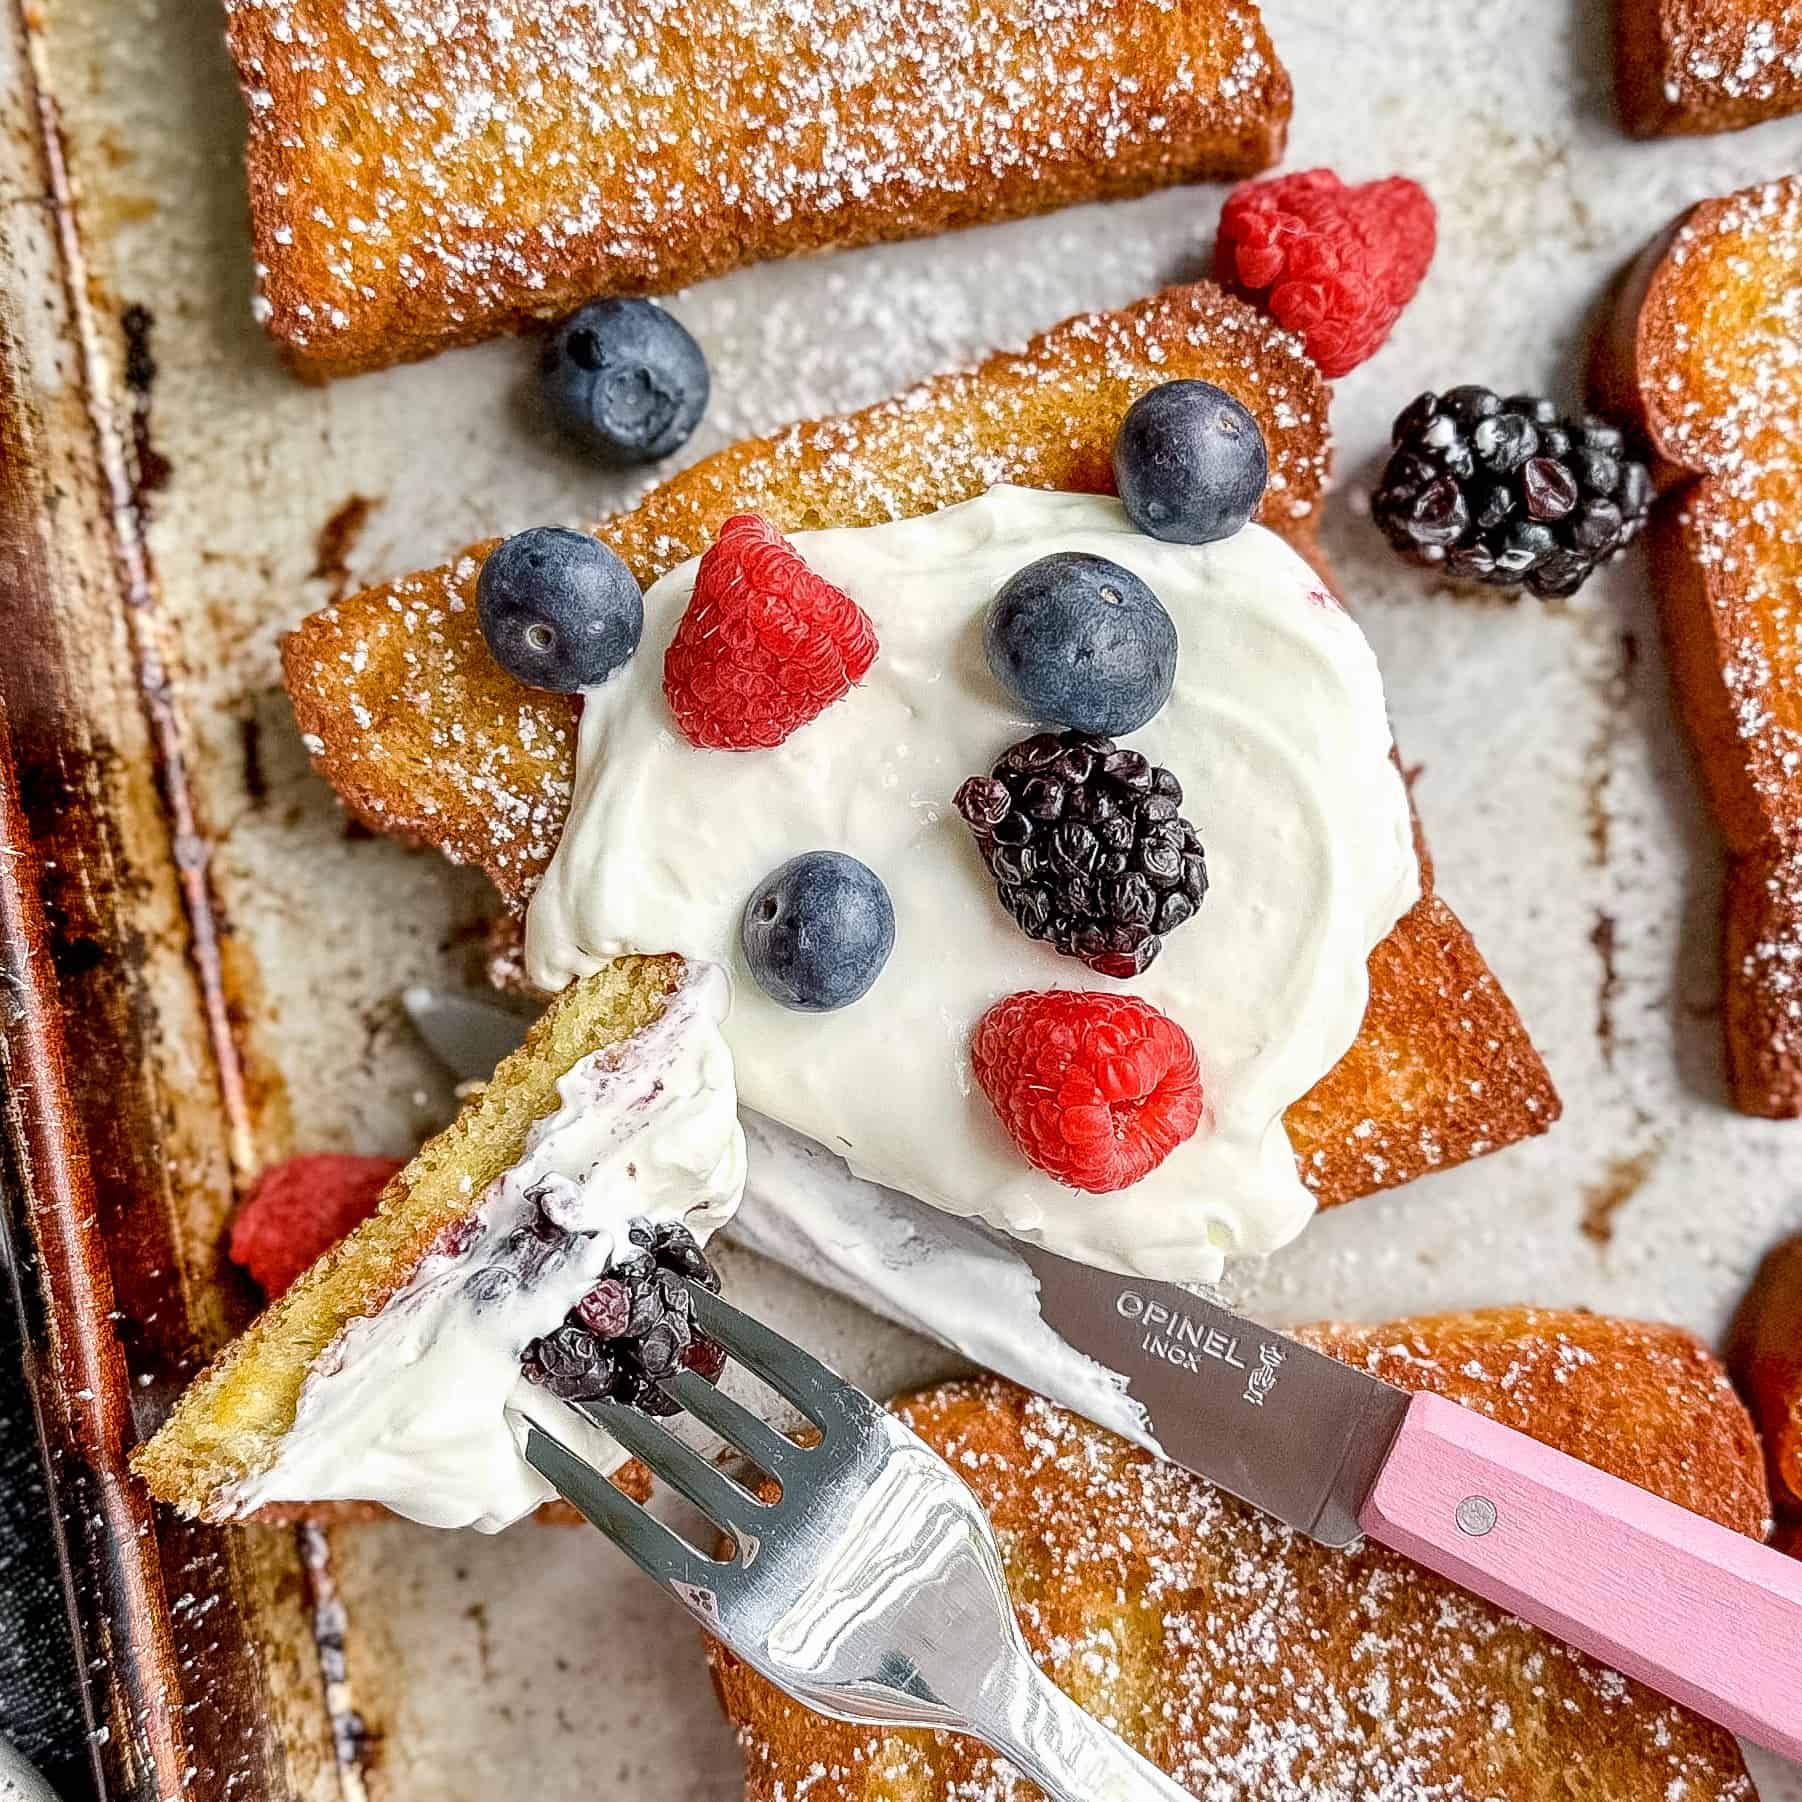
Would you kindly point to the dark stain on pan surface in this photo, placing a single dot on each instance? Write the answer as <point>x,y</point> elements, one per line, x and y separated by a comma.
<point>150,468</point>
<point>336,539</point>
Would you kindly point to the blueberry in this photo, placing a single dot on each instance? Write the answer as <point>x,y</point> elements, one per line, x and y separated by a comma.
<point>1079,641</point>
<point>624,378</point>
<point>1190,463</point>
<point>818,930</point>
<point>558,609</point>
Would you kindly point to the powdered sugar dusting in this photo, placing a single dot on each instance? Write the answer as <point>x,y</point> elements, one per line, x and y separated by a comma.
<point>1764,978</point>
<point>1250,1662</point>
<point>1730,406</point>
<point>1750,57</point>
<point>430,171</point>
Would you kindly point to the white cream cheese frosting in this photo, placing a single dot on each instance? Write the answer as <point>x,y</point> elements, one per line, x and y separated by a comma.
<point>1277,729</point>
<point>409,1407</point>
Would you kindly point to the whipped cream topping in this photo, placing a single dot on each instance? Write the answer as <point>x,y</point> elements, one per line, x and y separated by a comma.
<point>952,1280</point>
<point>1278,731</point>
<point>410,1406</point>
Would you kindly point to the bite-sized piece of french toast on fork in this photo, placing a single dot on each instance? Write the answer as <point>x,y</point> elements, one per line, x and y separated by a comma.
<point>423,735</point>
<point>1705,351</point>
<point>423,175</point>
<point>227,1430</point>
<point>1248,1661</point>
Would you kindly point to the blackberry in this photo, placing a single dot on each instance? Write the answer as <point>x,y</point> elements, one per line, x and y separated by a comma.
<point>1509,491</point>
<point>572,1363</point>
<point>634,1327</point>
<point>1087,847</point>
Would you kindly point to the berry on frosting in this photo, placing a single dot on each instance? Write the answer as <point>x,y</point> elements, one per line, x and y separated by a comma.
<point>1087,847</point>
<point>765,645</point>
<point>817,931</point>
<point>1335,265</point>
<point>1095,1090</point>
<point>1190,463</point>
<point>1079,641</point>
<point>299,1209</point>
<point>634,1328</point>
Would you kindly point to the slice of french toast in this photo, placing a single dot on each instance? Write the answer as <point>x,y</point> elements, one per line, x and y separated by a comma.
<point>1764,1352</point>
<point>1706,65</point>
<point>422,176</point>
<point>229,1423</point>
<point>1705,351</point>
<point>423,735</point>
<point>1247,1661</point>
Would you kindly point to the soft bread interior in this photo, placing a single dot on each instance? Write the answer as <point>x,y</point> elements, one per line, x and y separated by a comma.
<point>228,1425</point>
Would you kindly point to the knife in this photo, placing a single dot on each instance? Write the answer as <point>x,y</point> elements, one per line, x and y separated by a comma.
<point>1694,1610</point>
<point>468,1034</point>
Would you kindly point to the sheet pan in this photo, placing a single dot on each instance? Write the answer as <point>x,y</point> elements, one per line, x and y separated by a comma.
<point>230,953</point>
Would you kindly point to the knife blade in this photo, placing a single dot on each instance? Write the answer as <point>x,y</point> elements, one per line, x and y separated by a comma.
<point>468,1034</point>
<point>1706,1615</point>
<point>1272,1421</point>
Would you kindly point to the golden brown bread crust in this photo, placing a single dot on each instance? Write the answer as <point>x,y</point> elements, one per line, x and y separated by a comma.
<point>1761,946</point>
<point>416,184</point>
<point>1764,1353</point>
<point>229,1423</point>
<point>1705,65</point>
<point>421,732</point>
<point>1702,353</point>
<point>1441,1071</point>
<point>1249,1662</point>
<point>423,735</point>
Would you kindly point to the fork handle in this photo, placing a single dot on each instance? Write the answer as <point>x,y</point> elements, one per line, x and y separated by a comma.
<point>1069,1754</point>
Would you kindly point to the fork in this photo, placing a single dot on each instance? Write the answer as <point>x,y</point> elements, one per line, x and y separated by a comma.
<point>871,1590</point>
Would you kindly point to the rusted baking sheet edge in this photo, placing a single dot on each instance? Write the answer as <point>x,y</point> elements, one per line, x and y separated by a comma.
<point>185,1696</point>
<point>73,1363</point>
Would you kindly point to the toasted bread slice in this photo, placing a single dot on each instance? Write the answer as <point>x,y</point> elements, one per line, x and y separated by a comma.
<point>1248,1661</point>
<point>229,1424</point>
<point>1706,65</point>
<point>421,732</point>
<point>422,176</point>
<point>1765,1355</point>
<point>1705,351</point>
<point>423,735</point>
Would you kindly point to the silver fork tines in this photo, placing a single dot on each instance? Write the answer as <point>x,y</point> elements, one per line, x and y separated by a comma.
<point>871,1589</point>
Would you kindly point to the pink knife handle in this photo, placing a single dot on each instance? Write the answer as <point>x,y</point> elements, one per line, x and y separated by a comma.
<point>1704,1615</point>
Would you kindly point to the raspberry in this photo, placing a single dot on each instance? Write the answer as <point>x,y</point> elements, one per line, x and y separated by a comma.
<point>299,1209</point>
<point>765,644</point>
<point>1335,265</point>
<point>1096,1090</point>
